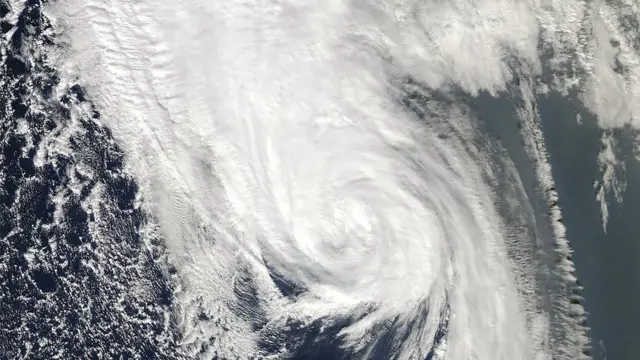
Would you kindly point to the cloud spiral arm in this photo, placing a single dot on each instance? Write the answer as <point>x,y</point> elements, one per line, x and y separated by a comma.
<point>308,162</point>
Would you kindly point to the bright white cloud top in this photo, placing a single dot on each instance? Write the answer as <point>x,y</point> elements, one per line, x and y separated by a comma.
<point>274,137</point>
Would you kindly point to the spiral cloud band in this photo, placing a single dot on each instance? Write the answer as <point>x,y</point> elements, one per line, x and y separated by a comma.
<point>309,168</point>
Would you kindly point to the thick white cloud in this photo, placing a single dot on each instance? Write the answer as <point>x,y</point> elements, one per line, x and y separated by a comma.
<point>265,130</point>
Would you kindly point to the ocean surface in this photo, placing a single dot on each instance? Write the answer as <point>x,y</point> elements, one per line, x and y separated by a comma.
<point>138,219</point>
<point>606,263</point>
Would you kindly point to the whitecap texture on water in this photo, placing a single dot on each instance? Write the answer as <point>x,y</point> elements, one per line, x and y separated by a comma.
<point>268,137</point>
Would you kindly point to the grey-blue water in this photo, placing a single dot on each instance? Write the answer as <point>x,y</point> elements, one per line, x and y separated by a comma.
<point>608,265</point>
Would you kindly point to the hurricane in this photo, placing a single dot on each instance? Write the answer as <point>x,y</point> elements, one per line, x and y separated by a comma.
<point>325,180</point>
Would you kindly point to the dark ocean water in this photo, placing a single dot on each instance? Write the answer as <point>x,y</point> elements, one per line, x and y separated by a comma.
<point>77,278</point>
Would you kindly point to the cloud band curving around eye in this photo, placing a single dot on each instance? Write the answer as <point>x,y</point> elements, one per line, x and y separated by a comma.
<point>317,145</point>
